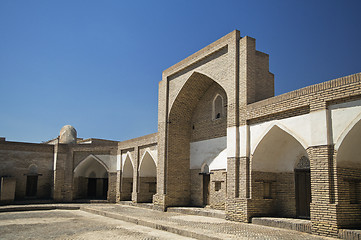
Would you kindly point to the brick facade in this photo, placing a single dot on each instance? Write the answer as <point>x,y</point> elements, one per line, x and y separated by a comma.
<point>224,90</point>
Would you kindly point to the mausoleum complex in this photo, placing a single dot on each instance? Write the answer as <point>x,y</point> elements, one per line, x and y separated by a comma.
<point>224,141</point>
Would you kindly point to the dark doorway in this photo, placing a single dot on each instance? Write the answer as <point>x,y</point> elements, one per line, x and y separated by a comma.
<point>303,193</point>
<point>105,188</point>
<point>92,187</point>
<point>31,186</point>
<point>206,180</point>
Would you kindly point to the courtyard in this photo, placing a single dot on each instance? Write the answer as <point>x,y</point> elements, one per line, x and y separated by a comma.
<point>115,221</point>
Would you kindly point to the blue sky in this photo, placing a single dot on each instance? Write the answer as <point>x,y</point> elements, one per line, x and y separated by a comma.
<point>96,64</point>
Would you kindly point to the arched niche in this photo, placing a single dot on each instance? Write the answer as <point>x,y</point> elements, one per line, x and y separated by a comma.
<point>217,108</point>
<point>147,178</point>
<point>127,178</point>
<point>349,150</point>
<point>182,130</point>
<point>348,162</point>
<point>128,168</point>
<point>91,164</point>
<point>91,179</point>
<point>278,151</point>
<point>274,165</point>
<point>147,166</point>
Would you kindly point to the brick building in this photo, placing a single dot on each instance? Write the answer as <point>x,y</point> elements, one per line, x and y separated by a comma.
<point>224,140</point>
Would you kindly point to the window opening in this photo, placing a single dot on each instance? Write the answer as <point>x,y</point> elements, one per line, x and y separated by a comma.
<point>217,185</point>
<point>217,107</point>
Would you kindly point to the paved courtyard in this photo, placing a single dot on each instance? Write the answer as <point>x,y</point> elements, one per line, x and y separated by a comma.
<point>73,224</point>
<point>114,221</point>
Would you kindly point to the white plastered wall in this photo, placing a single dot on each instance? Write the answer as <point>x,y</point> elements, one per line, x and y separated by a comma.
<point>148,166</point>
<point>213,152</point>
<point>346,132</point>
<point>309,129</point>
<point>278,151</point>
<point>91,165</point>
<point>109,160</point>
<point>344,116</point>
<point>121,160</point>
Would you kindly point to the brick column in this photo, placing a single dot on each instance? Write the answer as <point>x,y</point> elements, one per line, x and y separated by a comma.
<point>159,198</point>
<point>113,186</point>
<point>63,173</point>
<point>322,207</point>
<point>135,176</point>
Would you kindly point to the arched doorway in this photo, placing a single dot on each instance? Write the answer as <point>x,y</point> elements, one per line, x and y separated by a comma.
<point>348,160</point>
<point>127,179</point>
<point>280,175</point>
<point>198,113</point>
<point>147,178</point>
<point>91,179</point>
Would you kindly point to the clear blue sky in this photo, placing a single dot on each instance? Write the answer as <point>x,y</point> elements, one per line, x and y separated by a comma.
<point>96,64</point>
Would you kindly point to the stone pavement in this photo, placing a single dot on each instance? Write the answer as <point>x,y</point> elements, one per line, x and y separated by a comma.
<point>199,227</point>
<point>75,225</point>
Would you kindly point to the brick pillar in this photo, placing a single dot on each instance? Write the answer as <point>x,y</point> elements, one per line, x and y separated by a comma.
<point>237,189</point>
<point>113,186</point>
<point>322,207</point>
<point>119,186</point>
<point>135,176</point>
<point>63,173</point>
<point>159,198</point>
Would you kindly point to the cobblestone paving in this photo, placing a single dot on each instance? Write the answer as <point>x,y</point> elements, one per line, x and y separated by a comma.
<point>73,224</point>
<point>208,226</point>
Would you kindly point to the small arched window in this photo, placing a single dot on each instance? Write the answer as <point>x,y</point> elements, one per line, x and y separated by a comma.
<point>218,107</point>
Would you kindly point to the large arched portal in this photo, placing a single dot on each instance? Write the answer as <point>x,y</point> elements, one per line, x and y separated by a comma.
<point>91,179</point>
<point>147,178</point>
<point>349,177</point>
<point>127,179</point>
<point>281,184</point>
<point>198,115</point>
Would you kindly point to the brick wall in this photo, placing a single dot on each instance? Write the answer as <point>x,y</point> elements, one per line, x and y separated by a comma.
<point>15,160</point>
<point>146,191</point>
<point>196,187</point>
<point>218,189</point>
<point>203,125</point>
<point>126,189</point>
<point>349,198</point>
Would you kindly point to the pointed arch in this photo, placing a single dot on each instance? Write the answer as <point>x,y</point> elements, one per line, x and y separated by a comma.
<point>348,145</point>
<point>127,167</point>
<point>346,130</point>
<point>90,163</point>
<point>128,156</point>
<point>277,151</point>
<point>283,128</point>
<point>217,107</point>
<point>179,131</point>
<point>205,168</point>
<point>33,169</point>
<point>194,87</point>
<point>147,151</point>
<point>147,166</point>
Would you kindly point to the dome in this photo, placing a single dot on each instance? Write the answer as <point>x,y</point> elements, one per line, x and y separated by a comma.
<point>67,135</point>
